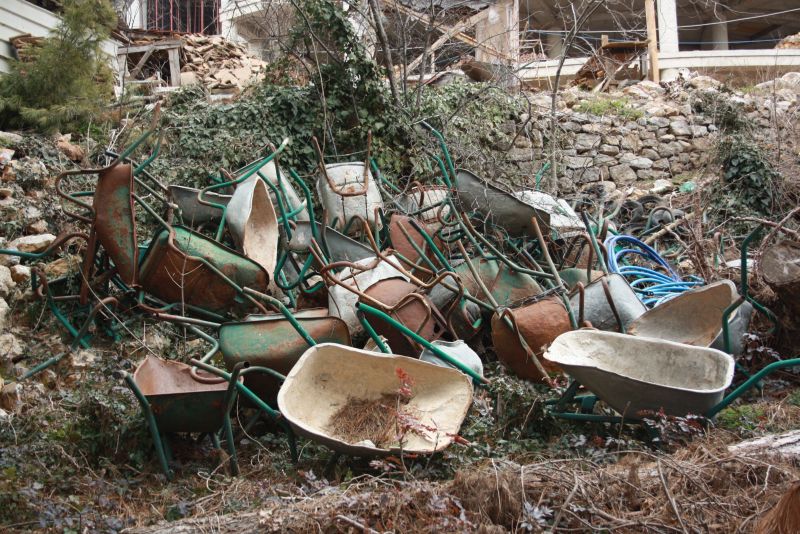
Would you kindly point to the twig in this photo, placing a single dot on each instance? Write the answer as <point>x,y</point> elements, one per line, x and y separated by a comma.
<point>669,496</point>
<point>566,503</point>
<point>354,523</point>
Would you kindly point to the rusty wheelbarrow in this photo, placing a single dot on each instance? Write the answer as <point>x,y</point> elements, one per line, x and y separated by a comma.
<point>401,405</point>
<point>272,341</point>
<point>175,398</point>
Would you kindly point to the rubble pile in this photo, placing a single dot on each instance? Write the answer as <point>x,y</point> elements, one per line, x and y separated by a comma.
<point>217,63</point>
<point>25,45</point>
<point>792,41</point>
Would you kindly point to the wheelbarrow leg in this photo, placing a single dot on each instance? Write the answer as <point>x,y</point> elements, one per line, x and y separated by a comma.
<point>215,440</point>
<point>231,445</point>
<point>165,445</point>
<point>151,422</point>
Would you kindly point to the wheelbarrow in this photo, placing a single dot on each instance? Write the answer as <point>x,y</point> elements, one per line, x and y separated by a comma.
<point>497,206</point>
<point>177,399</point>
<point>251,219</point>
<point>636,375</point>
<point>272,341</point>
<point>693,317</point>
<point>192,213</point>
<point>409,406</point>
<point>348,189</point>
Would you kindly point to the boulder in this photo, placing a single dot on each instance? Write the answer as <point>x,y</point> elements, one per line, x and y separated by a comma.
<point>4,311</point>
<point>19,273</point>
<point>680,127</point>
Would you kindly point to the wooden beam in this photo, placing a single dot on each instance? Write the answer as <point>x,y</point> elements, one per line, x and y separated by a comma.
<point>464,38</point>
<point>135,72</point>
<point>160,45</point>
<point>174,67</point>
<point>652,37</point>
<point>447,35</point>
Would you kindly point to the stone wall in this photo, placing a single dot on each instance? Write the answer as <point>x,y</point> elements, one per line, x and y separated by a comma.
<point>646,131</point>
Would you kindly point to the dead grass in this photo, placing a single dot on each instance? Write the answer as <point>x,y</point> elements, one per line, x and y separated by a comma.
<point>703,487</point>
<point>368,419</point>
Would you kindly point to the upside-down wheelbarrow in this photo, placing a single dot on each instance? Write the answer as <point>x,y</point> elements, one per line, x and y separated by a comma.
<point>499,207</point>
<point>273,341</point>
<point>412,406</point>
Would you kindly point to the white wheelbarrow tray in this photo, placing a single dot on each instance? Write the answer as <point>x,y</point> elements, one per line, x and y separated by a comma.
<point>632,373</point>
<point>327,374</point>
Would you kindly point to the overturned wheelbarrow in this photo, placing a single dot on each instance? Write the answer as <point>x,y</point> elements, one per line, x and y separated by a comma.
<point>176,398</point>
<point>192,211</point>
<point>253,224</point>
<point>608,303</point>
<point>272,341</point>
<point>367,404</point>
<point>499,207</point>
<point>636,375</point>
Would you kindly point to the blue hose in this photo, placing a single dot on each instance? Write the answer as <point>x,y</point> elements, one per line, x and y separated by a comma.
<point>652,286</point>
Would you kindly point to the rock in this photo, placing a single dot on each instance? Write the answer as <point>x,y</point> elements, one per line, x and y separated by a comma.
<point>10,138</point>
<point>650,154</point>
<point>73,152</point>
<point>4,311</point>
<point>622,173</point>
<point>609,150</point>
<point>594,128</point>
<point>82,358</point>
<point>641,163</point>
<point>577,162</point>
<point>10,348</point>
<point>631,142</point>
<point>699,131</point>
<point>680,127</point>
<point>661,122</point>
<point>19,273</point>
<point>7,283</point>
<point>60,267</point>
<point>602,159</point>
<point>612,140</point>
<point>11,397</point>
<point>588,175</point>
<point>585,141</point>
<point>661,164</point>
<point>661,186</point>
<point>33,243</point>
<point>39,227</point>
<point>704,83</point>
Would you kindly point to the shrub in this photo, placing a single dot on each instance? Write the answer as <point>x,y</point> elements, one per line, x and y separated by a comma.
<point>67,78</point>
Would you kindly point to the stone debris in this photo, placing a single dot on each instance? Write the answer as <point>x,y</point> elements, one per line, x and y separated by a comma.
<point>33,243</point>
<point>792,41</point>
<point>217,63</point>
<point>73,152</point>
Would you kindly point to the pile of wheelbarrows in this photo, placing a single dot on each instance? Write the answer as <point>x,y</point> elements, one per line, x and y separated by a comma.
<point>366,288</point>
